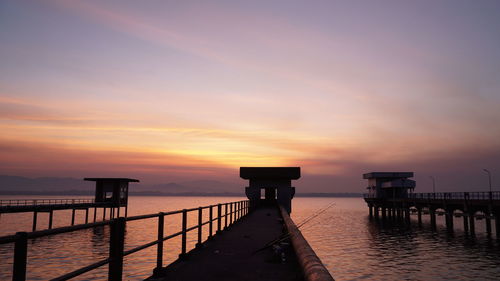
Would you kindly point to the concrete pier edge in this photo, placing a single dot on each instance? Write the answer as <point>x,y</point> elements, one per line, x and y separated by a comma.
<point>312,267</point>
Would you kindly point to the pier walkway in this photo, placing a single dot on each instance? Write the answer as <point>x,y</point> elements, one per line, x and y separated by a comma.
<point>234,254</point>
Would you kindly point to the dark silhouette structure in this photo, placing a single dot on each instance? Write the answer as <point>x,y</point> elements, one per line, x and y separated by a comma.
<point>243,243</point>
<point>388,198</point>
<point>276,183</point>
<point>110,193</point>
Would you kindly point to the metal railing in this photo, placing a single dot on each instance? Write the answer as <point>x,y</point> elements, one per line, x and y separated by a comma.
<point>487,195</point>
<point>493,195</point>
<point>233,211</point>
<point>38,202</point>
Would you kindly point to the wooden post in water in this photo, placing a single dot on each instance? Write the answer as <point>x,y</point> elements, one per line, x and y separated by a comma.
<point>118,214</point>
<point>73,217</point>
<point>419,215</point>
<point>35,215</point>
<point>472,226</point>
<point>20,257</point>
<point>432,213</point>
<point>51,214</point>
<point>466,222</point>
<point>86,215</point>
<point>104,213</point>
<point>116,242</point>
<point>488,224</point>
<point>449,220</point>
<point>407,215</point>
<point>95,213</point>
<point>497,224</point>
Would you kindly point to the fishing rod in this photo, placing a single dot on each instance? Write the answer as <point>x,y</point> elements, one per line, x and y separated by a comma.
<point>302,223</point>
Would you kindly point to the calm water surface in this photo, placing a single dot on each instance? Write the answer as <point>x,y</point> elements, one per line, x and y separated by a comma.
<point>351,246</point>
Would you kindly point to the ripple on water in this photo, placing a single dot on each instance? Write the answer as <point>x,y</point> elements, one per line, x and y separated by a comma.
<point>351,246</point>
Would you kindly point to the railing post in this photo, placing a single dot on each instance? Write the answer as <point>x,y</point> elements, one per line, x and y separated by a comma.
<point>225,215</point>
<point>210,225</point>
<point>184,234</point>
<point>237,211</point>
<point>20,256</point>
<point>200,221</point>
<point>219,211</point>
<point>231,213</point>
<point>159,246</point>
<point>116,243</point>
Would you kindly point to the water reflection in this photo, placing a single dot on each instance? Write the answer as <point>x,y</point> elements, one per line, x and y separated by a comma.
<point>351,246</point>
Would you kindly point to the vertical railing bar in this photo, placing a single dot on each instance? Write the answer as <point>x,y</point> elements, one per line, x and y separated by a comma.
<point>230,213</point>
<point>219,211</point>
<point>20,256</point>
<point>210,226</point>
<point>116,244</point>
<point>184,234</point>
<point>159,248</point>
<point>200,222</point>
<point>225,215</point>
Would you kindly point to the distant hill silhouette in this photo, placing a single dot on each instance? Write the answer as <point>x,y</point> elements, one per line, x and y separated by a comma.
<point>73,186</point>
<point>15,185</point>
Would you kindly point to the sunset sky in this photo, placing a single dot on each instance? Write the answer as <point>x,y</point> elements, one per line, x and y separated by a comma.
<point>171,91</point>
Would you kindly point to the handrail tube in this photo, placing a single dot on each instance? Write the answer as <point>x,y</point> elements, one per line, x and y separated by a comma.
<point>141,247</point>
<point>141,217</point>
<point>81,271</point>
<point>172,235</point>
<point>115,260</point>
<point>312,267</point>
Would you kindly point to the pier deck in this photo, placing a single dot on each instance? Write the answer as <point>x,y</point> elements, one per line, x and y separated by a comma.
<point>232,254</point>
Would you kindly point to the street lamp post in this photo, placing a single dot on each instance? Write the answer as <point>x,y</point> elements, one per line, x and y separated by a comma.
<point>489,177</point>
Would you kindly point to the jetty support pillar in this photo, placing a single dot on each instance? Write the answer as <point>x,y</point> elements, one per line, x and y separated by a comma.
<point>432,213</point>
<point>466,222</point>
<point>488,225</point>
<point>449,220</point>
<point>497,223</point>
<point>471,222</point>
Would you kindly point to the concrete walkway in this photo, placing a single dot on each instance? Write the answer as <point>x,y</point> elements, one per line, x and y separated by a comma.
<point>232,254</point>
